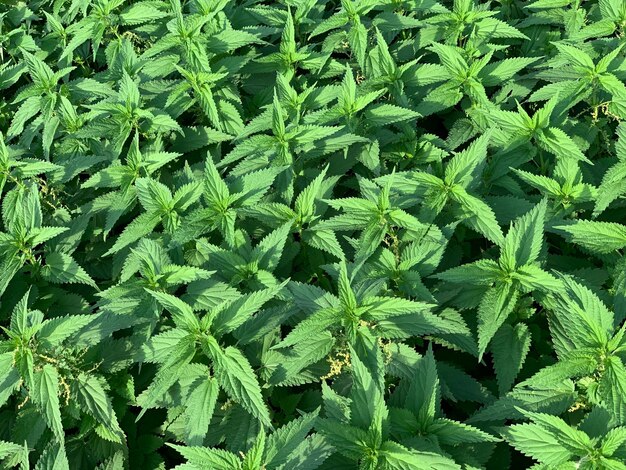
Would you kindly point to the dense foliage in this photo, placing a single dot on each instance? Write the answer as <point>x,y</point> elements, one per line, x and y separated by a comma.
<point>312,234</point>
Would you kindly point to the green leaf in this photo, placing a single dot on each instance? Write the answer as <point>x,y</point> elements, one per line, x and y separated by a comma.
<point>451,432</point>
<point>495,307</point>
<point>310,453</point>
<point>367,397</point>
<point>424,395</point>
<point>574,440</point>
<point>53,457</point>
<point>139,13</point>
<point>9,377</point>
<point>138,228</point>
<point>598,237</point>
<point>555,141</point>
<point>613,388</point>
<point>235,375</point>
<point>531,277</point>
<point>62,268</point>
<point>578,318</point>
<point>169,373</point>
<point>385,114</point>
<point>282,442</point>
<point>397,457</point>
<point>56,330</point>
<point>538,443</point>
<point>199,408</point>
<point>509,347</point>
<point>498,72</point>
<point>613,440</point>
<point>236,313</point>
<point>349,441</point>
<point>45,394</point>
<point>204,457</point>
<point>357,36</point>
<point>524,239</point>
<point>465,167</point>
<point>92,398</point>
<point>182,314</point>
<point>8,448</point>
<point>481,272</point>
<point>478,215</point>
<point>611,187</point>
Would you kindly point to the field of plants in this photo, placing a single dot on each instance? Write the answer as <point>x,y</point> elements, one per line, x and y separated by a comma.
<point>313,234</point>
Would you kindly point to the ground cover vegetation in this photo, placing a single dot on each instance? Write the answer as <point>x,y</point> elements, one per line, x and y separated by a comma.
<point>312,234</point>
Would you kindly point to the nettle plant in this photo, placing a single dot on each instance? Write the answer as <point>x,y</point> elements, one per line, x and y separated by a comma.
<point>312,235</point>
